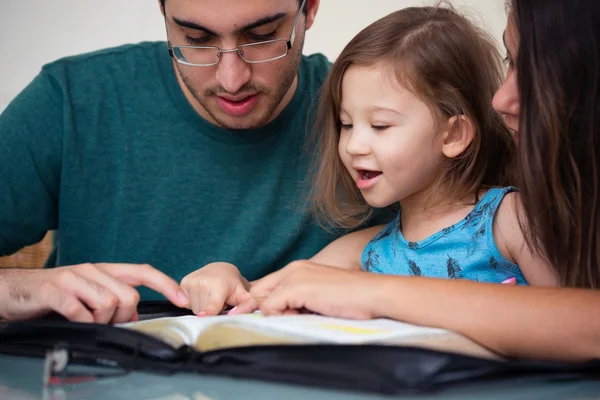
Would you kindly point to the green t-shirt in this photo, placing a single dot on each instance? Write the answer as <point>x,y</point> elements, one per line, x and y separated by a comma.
<point>105,149</point>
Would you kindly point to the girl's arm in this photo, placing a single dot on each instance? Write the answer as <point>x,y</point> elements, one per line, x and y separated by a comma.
<point>510,240</point>
<point>346,252</point>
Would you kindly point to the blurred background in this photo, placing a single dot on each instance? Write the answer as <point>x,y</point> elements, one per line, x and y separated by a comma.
<point>34,32</point>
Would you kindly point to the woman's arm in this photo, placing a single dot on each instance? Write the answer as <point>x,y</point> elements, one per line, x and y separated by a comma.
<point>515,321</point>
<point>346,252</point>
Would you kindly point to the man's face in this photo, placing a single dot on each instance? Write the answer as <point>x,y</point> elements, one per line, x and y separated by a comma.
<point>234,94</point>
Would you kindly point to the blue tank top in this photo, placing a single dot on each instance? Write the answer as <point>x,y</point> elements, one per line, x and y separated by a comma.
<point>465,250</point>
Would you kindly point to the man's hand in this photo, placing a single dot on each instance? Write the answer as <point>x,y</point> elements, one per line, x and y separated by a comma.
<point>215,286</point>
<point>306,286</point>
<point>99,293</point>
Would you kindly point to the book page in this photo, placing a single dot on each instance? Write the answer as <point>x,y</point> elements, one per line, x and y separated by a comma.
<point>320,329</point>
<point>178,331</point>
<point>305,328</point>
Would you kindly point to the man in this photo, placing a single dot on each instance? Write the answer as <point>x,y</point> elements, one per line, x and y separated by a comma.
<point>171,155</point>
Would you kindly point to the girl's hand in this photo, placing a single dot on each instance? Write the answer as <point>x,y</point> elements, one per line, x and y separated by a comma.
<point>213,287</point>
<point>305,286</point>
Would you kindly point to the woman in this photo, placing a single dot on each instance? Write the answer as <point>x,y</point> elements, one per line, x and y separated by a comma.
<point>551,100</point>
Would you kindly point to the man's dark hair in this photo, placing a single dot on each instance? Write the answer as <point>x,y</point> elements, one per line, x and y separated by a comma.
<point>299,3</point>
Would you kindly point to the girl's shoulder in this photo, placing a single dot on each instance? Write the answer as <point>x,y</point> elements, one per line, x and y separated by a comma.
<point>510,229</point>
<point>506,227</point>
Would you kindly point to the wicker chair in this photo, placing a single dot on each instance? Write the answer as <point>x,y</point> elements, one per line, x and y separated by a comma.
<point>30,257</point>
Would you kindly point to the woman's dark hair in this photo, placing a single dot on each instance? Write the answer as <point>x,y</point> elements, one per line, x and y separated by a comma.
<point>558,78</point>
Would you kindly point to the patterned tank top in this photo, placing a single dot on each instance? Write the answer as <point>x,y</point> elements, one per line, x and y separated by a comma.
<point>465,250</point>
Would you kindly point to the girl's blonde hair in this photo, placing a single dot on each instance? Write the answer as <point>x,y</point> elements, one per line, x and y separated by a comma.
<point>455,68</point>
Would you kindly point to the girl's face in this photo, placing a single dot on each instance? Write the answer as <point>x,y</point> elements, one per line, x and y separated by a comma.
<point>506,99</point>
<point>389,140</point>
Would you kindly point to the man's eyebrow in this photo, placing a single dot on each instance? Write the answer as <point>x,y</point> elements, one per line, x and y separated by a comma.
<point>263,21</point>
<point>192,25</point>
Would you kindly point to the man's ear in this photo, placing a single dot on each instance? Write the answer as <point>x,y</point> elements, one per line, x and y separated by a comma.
<point>312,6</point>
<point>458,137</point>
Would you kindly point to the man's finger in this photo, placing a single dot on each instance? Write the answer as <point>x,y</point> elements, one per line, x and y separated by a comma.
<point>65,303</point>
<point>127,296</point>
<point>145,275</point>
<point>101,301</point>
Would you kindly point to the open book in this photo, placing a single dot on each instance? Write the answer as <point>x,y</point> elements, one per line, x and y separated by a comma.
<point>211,333</point>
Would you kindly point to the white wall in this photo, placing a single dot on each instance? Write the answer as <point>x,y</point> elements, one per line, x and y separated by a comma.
<point>34,32</point>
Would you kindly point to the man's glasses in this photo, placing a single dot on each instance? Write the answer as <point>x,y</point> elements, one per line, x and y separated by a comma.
<point>252,53</point>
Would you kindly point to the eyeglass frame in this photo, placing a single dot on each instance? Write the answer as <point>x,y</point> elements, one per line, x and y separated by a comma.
<point>289,43</point>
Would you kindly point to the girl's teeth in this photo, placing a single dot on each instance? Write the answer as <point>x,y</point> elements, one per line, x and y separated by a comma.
<point>366,176</point>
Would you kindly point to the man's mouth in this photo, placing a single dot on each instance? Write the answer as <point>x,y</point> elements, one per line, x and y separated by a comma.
<point>237,106</point>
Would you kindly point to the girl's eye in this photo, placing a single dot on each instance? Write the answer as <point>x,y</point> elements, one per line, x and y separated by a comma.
<point>345,126</point>
<point>380,127</point>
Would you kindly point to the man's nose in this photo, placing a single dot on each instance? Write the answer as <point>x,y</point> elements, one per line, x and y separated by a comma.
<point>233,72</point>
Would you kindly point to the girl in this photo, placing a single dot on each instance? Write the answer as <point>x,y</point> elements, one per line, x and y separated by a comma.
<point>406,119</point>
<point>550,98</point>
